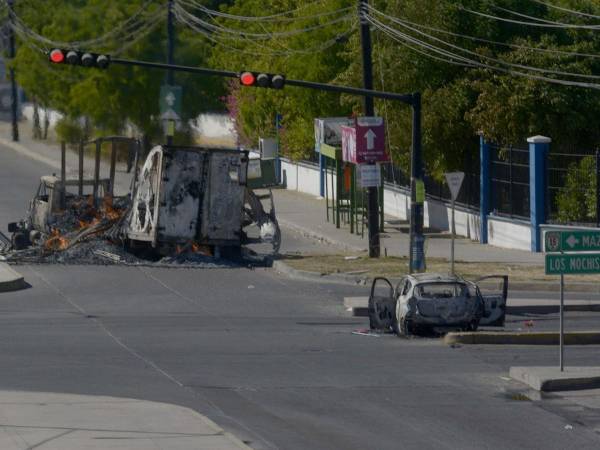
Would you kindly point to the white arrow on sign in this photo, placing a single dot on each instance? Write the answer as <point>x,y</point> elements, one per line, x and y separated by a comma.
<point>454,180</point>
<point>370,137</point>
<point>572,241</point>
<point>170,99</point>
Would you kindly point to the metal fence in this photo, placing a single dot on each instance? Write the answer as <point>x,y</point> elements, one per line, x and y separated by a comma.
<point>438,189</point>
<point>468,196</point>
<point>395,176</point>
<point>572,191</point>
<point>510,181</point>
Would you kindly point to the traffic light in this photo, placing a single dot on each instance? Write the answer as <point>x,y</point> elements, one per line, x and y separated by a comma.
<point>264,80</point>
<point>77,58</point>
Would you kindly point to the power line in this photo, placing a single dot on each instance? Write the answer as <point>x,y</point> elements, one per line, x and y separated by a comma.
<point>570,11</point>
<point>279,17</point>
<point>134,23</point>
<point>223,42</point>
<point>499,61</point>
<point>531,24</point>
<point>526,16</point>
<point>486,41</point>
<point>461,60</point>
<point>252,35</point>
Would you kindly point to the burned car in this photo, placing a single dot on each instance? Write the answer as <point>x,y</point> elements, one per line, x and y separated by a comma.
<point>422,302</point>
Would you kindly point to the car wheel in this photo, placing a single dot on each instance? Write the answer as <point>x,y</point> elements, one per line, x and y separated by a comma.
<point>472,326</point>
<point>405,327</point>
<point>371,322</point>
<point>395,327</point>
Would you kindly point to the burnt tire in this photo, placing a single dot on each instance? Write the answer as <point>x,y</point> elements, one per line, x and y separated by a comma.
<point>405,327</point>
<point>395,327</point>
<point>20,241</point>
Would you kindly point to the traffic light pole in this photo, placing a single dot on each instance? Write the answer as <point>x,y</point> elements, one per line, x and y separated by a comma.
<point>417,255</point>
<point>417,193</point>
<point>170,51</point>
<point>369,109</point>
<point>13,81</point>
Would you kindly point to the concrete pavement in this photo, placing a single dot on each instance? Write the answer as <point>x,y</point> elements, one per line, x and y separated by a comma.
<point>10,279</point>
<point>270,359</point>
<point>56,421</point>
<point>549,379</point>
<point>299,212</point>
<point>306,214</point>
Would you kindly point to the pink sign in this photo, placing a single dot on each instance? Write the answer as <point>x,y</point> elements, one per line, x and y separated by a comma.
<point>348,144</point>
<point>365,141</point>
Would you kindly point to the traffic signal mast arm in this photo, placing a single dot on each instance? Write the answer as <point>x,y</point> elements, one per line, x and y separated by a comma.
<point>406,98</point>
<point>61,56</point>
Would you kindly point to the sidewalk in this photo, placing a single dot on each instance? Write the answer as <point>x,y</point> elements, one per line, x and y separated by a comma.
<point>299,212</point>
<point>48,152</point>
<point>306,214</point>
<point>74,422</point>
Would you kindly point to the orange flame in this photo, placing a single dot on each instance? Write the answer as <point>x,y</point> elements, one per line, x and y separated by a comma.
<point>56,242</point>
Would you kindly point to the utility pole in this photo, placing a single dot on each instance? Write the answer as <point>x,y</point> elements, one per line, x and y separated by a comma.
<point>170,49</point>
<point>13,81</point>
<point>369,111</point>
<point>417,192</point>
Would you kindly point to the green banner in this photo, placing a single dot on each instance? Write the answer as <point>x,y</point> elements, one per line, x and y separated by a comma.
<point>572,241</point>
<point>573,264</point>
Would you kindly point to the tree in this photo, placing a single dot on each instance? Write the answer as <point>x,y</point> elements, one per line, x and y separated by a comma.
<point>119,95</point>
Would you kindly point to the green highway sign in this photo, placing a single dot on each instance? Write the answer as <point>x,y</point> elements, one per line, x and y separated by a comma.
<point>572,263</point>
<point>572,241</point>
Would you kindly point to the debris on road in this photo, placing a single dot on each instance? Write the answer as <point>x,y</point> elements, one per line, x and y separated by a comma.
<point>366,332</point>
<point>187,207</point>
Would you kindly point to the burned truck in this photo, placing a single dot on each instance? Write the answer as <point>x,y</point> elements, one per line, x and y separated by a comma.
<point>180,198</point>
<point>188,194</point>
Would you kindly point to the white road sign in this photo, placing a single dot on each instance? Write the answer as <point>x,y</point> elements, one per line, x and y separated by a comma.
<point>455,180</point>
<point>370,137</point>
<point>369,175</point>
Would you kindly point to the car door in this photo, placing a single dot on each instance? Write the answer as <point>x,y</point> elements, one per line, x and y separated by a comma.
<point>382,305</point>
<point>494,292</point>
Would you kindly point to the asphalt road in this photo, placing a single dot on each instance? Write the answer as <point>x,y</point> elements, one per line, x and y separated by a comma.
<point>271,359</point>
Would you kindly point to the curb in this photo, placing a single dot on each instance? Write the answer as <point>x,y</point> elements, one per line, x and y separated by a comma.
<point>20,148</point>
<point>548,379</point>
<point>282,267</point>
<point>10,279</point>
<point>522,338</point>
<point>308,233</point>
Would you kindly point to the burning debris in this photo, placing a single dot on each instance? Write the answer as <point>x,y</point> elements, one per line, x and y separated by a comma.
<point>188,206</point>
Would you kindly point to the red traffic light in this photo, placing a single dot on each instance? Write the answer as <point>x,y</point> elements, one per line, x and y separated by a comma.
<point>262,80</point>
<point>78,58</point>
<point>247,78</point>
<point>57,56</point>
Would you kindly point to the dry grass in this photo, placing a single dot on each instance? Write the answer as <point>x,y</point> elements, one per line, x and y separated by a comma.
<point>394,267</point>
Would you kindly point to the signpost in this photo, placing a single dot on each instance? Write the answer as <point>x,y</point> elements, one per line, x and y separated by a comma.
<point>454,180</point>
<point>369,175</point>
<point>364,141</point>
<point>170,107</point>
<point>581,261</point>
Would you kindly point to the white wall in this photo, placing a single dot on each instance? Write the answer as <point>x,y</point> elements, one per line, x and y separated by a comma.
<point>54,116</point>
<point>304,178</point>
<point>508,233</point>
<point>300,177</point>
<point>396,203</point>
<point>213,125</point>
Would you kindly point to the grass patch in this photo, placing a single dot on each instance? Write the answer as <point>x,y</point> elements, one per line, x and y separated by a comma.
<point>396,267</point>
